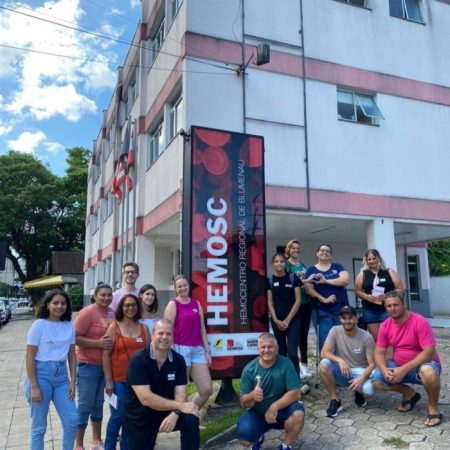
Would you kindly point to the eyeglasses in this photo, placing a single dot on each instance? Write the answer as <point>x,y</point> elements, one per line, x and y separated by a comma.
<point>129,305</point>
<point>324,250</point>
<point>129,272</point>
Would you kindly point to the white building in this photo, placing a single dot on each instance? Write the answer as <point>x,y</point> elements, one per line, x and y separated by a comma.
<point>354,107</point>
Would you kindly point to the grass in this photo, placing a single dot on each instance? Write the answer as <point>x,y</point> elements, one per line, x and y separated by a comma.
<point>395,442</point>
<point>218,425</point>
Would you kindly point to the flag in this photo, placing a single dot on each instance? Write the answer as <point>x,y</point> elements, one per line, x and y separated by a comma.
<point>130,160</point>
<point>119,178</point>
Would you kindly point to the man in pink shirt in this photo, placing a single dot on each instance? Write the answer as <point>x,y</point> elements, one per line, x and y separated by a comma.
<point>414,360</point>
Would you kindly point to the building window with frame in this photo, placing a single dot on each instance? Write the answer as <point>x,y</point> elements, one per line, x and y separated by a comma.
<point>406,9</point>
<point>175,117</point>
<point>358,107</point>
<point>362,3</point>
<point>157,42</point>
<point>155,144</point>
<point>172,8</point>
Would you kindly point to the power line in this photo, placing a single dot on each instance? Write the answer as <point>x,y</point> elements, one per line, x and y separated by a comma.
<point>109,63</point>
<point>112,12</point>
<point>121,41</point>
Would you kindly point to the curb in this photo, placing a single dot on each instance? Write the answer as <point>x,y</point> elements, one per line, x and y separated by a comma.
<point>224,437</point>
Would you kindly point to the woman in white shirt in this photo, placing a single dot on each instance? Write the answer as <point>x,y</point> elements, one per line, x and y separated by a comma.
<point>50,343</point>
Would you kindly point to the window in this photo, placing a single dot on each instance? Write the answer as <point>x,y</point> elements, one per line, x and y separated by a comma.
<point>106,148</point>
<point>406,9</point>
<point>93,224</point>
<point>363,3</point>
<point>155,145</point>
<point>358,107</point>
<point>175,118</point>
<point>172,8</point>
<point>414,278</point>
<point>157,42</point>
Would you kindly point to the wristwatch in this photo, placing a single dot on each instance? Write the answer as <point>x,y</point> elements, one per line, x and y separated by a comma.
<point>177,412</point>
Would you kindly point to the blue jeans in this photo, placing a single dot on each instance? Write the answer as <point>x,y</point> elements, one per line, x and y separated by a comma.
<point>252,424</point>
<point>343,381</point>
<point>324,321</point>
<point>90,392</point>
<point>412,377</point>
<point>115,422</point>
<point>53,382</point>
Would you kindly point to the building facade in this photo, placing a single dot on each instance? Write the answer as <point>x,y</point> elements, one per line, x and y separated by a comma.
<point>354,108</point>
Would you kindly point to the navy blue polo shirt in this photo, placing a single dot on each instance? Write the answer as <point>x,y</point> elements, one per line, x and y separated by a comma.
<point>143,370</point>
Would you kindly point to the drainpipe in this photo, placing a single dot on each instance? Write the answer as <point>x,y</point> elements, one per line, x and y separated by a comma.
<point>244,109</point>
<point>302,34</point>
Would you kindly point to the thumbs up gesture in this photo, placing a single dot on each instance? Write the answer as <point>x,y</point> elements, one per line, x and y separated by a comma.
<point>258,393</point>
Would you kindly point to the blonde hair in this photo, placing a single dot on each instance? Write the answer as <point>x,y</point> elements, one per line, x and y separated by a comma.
<point>376,253</point>
<point>180,276</point>
<point>287,249</point>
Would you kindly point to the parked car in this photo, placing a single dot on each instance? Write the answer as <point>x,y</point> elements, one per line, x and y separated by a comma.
<point>3,313</point>
<point>22,303</point>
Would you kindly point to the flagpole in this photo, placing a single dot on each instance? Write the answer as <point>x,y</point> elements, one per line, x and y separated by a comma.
<point>134,136</point>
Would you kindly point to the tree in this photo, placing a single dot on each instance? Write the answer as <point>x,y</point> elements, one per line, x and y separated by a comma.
<point>439,258</point>
<point>40,212</point>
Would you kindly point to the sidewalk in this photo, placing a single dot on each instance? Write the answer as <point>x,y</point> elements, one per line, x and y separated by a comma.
<point>353,428</point>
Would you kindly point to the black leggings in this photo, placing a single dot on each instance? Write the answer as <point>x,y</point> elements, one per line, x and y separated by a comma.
<point>305,322</point>
<point>288,340</point>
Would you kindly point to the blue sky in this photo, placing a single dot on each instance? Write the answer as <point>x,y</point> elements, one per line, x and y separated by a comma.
<point>51,103</point>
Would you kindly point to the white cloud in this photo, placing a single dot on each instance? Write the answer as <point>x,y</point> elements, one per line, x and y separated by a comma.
<point>49,86</point>
<point>135,3</point>
<point>27,142</point>
<point>53,147</point>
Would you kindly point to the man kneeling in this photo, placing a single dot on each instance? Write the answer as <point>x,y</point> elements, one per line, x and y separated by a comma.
<point>348,361</point>
<point>270,390</point>
<point>414,361</point>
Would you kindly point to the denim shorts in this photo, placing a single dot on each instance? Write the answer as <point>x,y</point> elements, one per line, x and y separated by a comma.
<point>252,424</point>
<point>191,355</point>
<point>90,390</point>
<point>374,316</point>
<point>412,377</point>
<point>342,380</point>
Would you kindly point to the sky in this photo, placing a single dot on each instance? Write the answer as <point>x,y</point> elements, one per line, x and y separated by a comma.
<point>56,80</point>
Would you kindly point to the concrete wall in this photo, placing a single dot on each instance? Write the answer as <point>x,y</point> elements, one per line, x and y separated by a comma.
<point>440,295</point>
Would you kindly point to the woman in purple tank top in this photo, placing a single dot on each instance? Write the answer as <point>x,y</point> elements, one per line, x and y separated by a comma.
<point>190,339</point>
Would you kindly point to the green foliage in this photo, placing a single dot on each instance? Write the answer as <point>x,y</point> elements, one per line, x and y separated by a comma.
<point>439,258</point>
<point>5,289</point>
<point>219,425</point>
<point>395,442</point>
<point>40,212</point>
<point>76,295</point>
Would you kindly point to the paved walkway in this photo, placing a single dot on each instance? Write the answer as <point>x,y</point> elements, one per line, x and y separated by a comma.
<point>353,428</point>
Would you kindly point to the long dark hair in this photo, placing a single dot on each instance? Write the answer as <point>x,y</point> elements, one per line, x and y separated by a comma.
<point>43,313</point>
<point>154,306</point>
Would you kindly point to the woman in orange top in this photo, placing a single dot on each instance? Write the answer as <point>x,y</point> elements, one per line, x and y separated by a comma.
<point>128,335</point>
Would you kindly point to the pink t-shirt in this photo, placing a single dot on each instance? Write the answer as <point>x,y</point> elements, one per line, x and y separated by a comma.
<point>117,295</point>
<point>407,339</point>
<point>91,323</point>
<point>187,327</point>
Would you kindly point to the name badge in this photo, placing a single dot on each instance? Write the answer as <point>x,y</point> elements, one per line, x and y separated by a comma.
<point>139,339</point>
<point>170,377</point>
<point>277,283</point>
<point>357,350</point>
<point>288,285</point>
<point>383,280</point>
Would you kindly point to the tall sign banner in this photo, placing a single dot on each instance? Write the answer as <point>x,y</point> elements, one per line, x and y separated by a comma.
<point>224,242</point>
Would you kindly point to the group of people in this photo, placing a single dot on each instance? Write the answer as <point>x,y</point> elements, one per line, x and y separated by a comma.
<point>118,349</point>
<point>113,350</point>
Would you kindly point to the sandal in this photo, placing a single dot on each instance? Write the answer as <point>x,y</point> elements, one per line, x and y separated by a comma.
<point>433,417</point>
<point>411,403</point>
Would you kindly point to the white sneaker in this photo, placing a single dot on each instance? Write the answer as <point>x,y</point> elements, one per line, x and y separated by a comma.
<point>304,372</point>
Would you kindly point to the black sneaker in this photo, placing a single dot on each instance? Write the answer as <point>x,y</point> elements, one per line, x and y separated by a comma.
<point>360,400</point>
<point>334,409</point>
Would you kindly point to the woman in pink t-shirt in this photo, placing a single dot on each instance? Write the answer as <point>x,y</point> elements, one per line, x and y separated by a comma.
<point>190,339</point>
